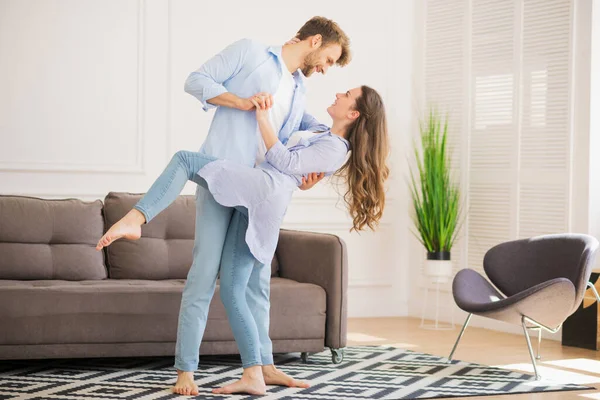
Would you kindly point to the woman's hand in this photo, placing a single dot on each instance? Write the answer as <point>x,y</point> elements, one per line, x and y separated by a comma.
<point>293,40</point>
<point>263,103</point>
<point>246,104</point>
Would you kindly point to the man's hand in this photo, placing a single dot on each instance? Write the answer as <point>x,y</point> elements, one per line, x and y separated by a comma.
<point>248,104</point>
<point>262,103</point>
<point>311,180</point>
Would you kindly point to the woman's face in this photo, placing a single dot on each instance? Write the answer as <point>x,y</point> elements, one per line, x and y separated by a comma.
<point>343,108</point>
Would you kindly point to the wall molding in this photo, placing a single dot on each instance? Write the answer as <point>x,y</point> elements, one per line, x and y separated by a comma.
<point>319,200</point>
<point>299,201</point>
<point>138,166</point>
<point>366,283</point>
<point>326,226</point>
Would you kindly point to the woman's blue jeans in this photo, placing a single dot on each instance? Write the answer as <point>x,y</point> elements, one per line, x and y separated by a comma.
<point>245,282</point>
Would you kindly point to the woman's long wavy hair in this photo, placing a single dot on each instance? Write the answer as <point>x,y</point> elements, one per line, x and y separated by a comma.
<point>365,171</point>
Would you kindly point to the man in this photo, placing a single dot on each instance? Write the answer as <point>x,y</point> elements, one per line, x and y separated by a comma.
<point>245,70</point>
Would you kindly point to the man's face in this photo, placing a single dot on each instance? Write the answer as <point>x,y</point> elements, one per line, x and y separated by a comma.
<point>321,59</point>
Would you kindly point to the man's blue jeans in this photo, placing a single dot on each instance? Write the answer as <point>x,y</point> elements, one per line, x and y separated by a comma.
<point>219,241</point>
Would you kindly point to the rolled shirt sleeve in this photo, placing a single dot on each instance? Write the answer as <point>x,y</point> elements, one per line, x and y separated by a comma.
<point>208,81</point>
<point>310,123</point>
<point>324,156</point>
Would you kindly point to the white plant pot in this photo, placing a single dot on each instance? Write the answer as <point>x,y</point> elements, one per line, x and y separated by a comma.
<point>439,271</point>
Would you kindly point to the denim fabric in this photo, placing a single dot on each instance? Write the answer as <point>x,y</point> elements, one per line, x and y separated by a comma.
<point>244,281</point>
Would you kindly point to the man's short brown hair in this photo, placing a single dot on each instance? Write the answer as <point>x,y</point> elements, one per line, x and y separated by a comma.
<point>330,32</point>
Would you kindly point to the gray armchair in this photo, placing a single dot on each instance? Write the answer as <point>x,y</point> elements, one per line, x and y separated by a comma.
<point>539,282</point>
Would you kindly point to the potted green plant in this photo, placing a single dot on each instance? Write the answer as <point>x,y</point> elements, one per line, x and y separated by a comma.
<point>435,197</point>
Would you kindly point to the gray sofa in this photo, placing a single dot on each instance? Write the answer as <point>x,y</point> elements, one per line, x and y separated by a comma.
<point>60,298</point>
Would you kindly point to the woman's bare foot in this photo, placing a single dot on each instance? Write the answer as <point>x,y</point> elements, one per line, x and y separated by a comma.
<point>128,227</point>
<point>273,376</point>
<point>185,384</point>
<point>252,382</point>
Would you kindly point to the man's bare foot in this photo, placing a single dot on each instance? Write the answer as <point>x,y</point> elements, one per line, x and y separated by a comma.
<point>252,382</point>
<point>185,384</point>
<point>128,227</point>
<point>273,376</point>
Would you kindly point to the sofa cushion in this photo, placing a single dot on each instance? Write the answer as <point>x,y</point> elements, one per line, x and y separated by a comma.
<point>165,248</point>
<point>133,311</point>
<point>50,239</point>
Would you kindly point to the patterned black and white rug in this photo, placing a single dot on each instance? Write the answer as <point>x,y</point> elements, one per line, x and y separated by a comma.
<point>367,372</point>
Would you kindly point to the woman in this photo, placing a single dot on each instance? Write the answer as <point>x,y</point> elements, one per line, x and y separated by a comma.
<point>263,193</point>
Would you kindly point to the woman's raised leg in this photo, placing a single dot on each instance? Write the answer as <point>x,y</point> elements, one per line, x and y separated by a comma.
<point>183,167</point>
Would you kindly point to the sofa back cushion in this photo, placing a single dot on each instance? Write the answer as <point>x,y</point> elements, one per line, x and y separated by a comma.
<point>50,239</point>
<point>165,248</point>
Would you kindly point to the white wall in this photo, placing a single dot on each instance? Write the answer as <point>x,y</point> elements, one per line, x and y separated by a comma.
<point>92,101</point>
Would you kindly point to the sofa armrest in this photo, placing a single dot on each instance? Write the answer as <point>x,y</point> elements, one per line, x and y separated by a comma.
<point>320,259</point>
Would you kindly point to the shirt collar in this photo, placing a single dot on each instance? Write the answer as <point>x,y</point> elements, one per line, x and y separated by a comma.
<point>328,133</point>
<point>299,77</point>
<point>275,50</point>
<point>344,140</point>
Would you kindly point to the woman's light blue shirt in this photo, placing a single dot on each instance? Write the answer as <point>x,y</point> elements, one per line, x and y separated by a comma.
<point>266,190</point>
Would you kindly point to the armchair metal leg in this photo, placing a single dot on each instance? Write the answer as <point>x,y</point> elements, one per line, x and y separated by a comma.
<point>537,376</point>
<point>462,331</point>
<point>539,344</point>
<point>535,325</point>
<point>591,286</point>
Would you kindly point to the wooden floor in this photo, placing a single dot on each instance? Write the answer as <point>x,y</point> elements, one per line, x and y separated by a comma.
<point>485,347</point>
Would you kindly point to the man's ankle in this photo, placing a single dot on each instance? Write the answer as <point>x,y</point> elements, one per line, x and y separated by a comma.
<point>254,372</point>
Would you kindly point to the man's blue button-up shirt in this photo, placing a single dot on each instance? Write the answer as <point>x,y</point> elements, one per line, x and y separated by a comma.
<point>245,68</point>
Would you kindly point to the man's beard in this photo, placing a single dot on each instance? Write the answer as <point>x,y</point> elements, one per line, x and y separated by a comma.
<point>310,62</point>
